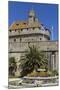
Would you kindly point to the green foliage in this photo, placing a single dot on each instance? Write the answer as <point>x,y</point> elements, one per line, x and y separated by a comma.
<point>12,61</point>
<point>37,74</point>
<point>49,73</point>
<point>32,60</point>
<point>12,66</point>
<point>52,73</point>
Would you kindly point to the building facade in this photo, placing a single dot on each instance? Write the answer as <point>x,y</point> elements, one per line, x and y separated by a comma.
<point>32,32</point>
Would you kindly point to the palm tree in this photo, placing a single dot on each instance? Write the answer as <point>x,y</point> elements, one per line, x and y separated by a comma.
<point>12,66</point>
<point>32,60</point>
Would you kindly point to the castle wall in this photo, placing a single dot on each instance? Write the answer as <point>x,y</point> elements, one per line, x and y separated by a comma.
<point>29,33</point>
<point>17,49</point>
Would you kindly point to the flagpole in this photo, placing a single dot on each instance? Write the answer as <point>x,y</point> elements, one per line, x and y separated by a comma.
<point>52,32</point>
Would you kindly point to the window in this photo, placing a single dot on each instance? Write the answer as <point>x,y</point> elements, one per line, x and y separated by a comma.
<point>40,28</point>
<point>15,30</point>
<point>10,30</point>
<point>17,24</point>
<point>24,23</point>
<point>48,38</point>
<point>42,24</point>
<point>45,28</point>
<point>20,39</point>
<point>28,43</point>
<point>40,38</point>
<point>14,40</point>
<point>21,29</point>
<point>27,28</point>
<point>53,53</point>
<point>33,28</point>
<point>30,16</point>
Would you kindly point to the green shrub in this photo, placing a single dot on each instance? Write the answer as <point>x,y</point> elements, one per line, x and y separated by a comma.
<point>49,73</point>
<point>54,72</point>
<point>38,74</point>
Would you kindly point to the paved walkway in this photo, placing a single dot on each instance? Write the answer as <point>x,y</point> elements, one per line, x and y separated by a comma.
<point>38,81</point>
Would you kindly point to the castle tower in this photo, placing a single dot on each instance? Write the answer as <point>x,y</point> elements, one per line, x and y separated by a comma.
<point>31,16</point>
<point>23,33</point>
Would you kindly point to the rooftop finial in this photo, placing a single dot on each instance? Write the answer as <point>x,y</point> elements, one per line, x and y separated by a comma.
<point>32,13</point>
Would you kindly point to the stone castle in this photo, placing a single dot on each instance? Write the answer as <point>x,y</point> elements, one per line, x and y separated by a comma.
<point>32,32</point>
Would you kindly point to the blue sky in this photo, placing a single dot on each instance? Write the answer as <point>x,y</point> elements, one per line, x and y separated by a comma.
<point>46,13</point>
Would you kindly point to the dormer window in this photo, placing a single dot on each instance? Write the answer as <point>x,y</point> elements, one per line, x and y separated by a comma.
<point>17,24</point>
<point>42,24</point>
<point>46,29</point>
<point>24,23</point>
